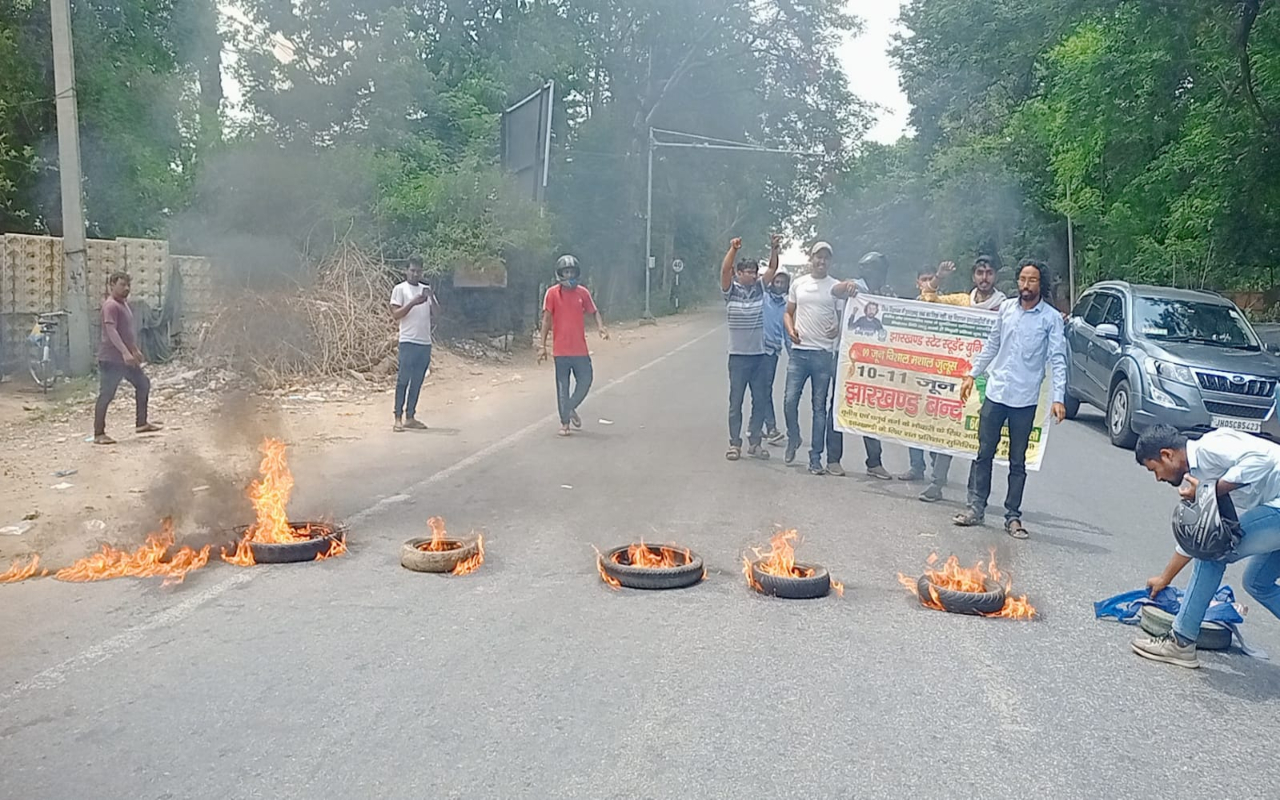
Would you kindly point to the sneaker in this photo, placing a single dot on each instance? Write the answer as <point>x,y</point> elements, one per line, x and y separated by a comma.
<point>413,425</point>
<point>835,469</point>
<point>790,456</point>
<point>911,477</point>
<point>816,469</point>
<point>1166,648</point>
<point>398,427</point>
<point>758,451</point>
<point>879,473</point>
<point>931,495</point>
<point>775,438</point>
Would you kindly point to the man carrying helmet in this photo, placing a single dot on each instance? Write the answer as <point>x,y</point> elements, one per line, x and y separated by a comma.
<point>564,311</point>
<point>1245,469</point>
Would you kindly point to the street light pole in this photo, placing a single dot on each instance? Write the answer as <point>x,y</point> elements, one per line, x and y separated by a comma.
<point>76,297</point>
<point>648,319</point>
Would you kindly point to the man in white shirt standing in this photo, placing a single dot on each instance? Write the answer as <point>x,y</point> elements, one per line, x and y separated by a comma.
<point>813,325</point>
<point>412,303</point>
<point>1244,468</point>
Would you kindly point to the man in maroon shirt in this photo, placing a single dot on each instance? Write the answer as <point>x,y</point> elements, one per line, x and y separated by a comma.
<point>119,359</point>
<point>564,311</point>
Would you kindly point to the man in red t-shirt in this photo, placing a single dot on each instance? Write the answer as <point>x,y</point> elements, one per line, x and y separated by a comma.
<point>119,359</point>
<point>564,312</point>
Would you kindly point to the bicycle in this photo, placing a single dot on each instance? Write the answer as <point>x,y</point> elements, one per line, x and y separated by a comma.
<point>41,357</point>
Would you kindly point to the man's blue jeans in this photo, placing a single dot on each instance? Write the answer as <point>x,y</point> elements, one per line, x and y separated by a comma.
<point>816,368</point>
<point>579,368</point>
<point>747,372</point>
<point>941,465</point>
<point>414,361</point>
<point>770,369</point>
<point>1260,543</point>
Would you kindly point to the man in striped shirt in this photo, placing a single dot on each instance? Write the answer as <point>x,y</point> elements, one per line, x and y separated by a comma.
<point>743,289</point>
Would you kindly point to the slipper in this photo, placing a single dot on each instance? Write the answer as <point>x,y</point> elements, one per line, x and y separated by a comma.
<point>562,432</point>
<point>966,519</point>
<point>575,419</point>
<point>733,453</point>
<point>103,439</point>
<point>1015,529</point>
<point>150,427</point>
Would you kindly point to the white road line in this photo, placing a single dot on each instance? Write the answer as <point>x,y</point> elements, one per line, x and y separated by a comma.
<point>125,640</point>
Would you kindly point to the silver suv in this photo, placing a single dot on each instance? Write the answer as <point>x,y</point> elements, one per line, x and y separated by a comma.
<point>1148,355</point>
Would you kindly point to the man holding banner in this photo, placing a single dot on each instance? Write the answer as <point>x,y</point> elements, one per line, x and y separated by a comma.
<point>1026,338</point>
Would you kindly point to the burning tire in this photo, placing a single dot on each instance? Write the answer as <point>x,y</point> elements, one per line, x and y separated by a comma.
<point>414,555</point>
<point>816,583</point>
<point>617,569</point>
<point>320,539</point>
<point>1158,622</point>
<point>989,602</point>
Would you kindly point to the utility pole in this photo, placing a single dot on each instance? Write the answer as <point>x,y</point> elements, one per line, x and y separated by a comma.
<point>76,298</point>
<point>648,319</point>
<point>1071,252</point>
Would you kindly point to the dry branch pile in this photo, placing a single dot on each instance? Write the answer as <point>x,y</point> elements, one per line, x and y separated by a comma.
<point>334,326</point>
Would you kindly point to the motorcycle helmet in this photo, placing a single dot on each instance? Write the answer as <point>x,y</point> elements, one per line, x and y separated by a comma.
<point>1206,528</point>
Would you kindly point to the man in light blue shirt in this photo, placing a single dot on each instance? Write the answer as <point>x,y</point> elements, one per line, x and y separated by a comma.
<point>1245,469</point>
<point>775,340</point>
<point>1026,338</point>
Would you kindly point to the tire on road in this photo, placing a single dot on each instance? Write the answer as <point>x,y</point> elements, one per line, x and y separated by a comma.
<point>988,602</point>
<point>1158,622</point>
<point>1120,416</point>
<point>413,557</point>
<point>652,579</point>
<point>814,586</point>
<point>293,552</point>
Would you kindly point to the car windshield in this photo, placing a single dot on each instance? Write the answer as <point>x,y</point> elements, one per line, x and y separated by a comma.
<point>1170,320</point>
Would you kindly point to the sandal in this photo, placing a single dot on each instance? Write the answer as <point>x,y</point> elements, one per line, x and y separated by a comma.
<point>733,453</point>
<point>562,432</point>
<point>758,451</point>
<point>575,419</point>
<point>1015,529</point>
<point>966,519</point>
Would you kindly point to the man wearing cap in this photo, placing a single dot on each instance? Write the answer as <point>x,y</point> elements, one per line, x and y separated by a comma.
<point>812,322</point>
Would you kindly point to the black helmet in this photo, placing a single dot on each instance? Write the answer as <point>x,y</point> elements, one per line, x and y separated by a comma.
<point>567,262</point>
<point>873,260</point>
<point>1206,528</point>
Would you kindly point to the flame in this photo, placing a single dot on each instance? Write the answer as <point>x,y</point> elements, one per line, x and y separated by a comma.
<point>439,543</point>
<point>270,496</point>
<point>613,583</point>
<point>17,572</point>
<point>471,564</point>
<point>968,579</point>
<point>243,556</point>
<point>336,548</point>
<point>145,562</point>
<point>838,586</point>
<point>648,556</point>
<point>780,561</point>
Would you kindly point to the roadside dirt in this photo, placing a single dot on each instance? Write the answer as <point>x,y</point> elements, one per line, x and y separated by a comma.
<point>64,496</point>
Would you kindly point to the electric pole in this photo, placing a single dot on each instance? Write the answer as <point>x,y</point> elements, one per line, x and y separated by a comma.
<point>76,297</point>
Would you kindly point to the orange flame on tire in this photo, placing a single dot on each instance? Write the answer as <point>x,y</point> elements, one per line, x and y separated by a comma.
<point>968,579</point>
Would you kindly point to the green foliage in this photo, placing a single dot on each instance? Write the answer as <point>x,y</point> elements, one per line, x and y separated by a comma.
<point>1138,119</point>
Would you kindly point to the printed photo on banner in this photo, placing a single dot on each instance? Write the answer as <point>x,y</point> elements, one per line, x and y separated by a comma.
<point>900,369</point>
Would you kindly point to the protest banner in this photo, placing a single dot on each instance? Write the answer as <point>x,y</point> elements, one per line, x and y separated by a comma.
<point>898,376</point>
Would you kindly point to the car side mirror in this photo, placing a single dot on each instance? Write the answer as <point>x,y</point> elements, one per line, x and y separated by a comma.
<point>1109,331</point>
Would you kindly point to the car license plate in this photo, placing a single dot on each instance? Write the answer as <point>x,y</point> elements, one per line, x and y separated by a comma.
<point>1246,425</point>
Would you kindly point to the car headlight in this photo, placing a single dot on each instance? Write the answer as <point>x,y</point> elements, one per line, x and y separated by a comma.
<point>1169,371</point>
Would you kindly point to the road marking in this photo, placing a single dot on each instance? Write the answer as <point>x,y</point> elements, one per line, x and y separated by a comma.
<point>57,675</point>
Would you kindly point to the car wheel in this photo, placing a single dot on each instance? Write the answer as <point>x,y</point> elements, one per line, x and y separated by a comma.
<point>1072,404</point>
<point>1120,417</point>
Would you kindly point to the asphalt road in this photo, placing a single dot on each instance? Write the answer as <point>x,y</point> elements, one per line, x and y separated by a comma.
<point>531,679</point>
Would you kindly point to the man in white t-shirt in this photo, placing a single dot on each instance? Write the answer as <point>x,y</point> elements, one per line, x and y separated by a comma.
<point>812,321</point>
<point>412,304</point>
